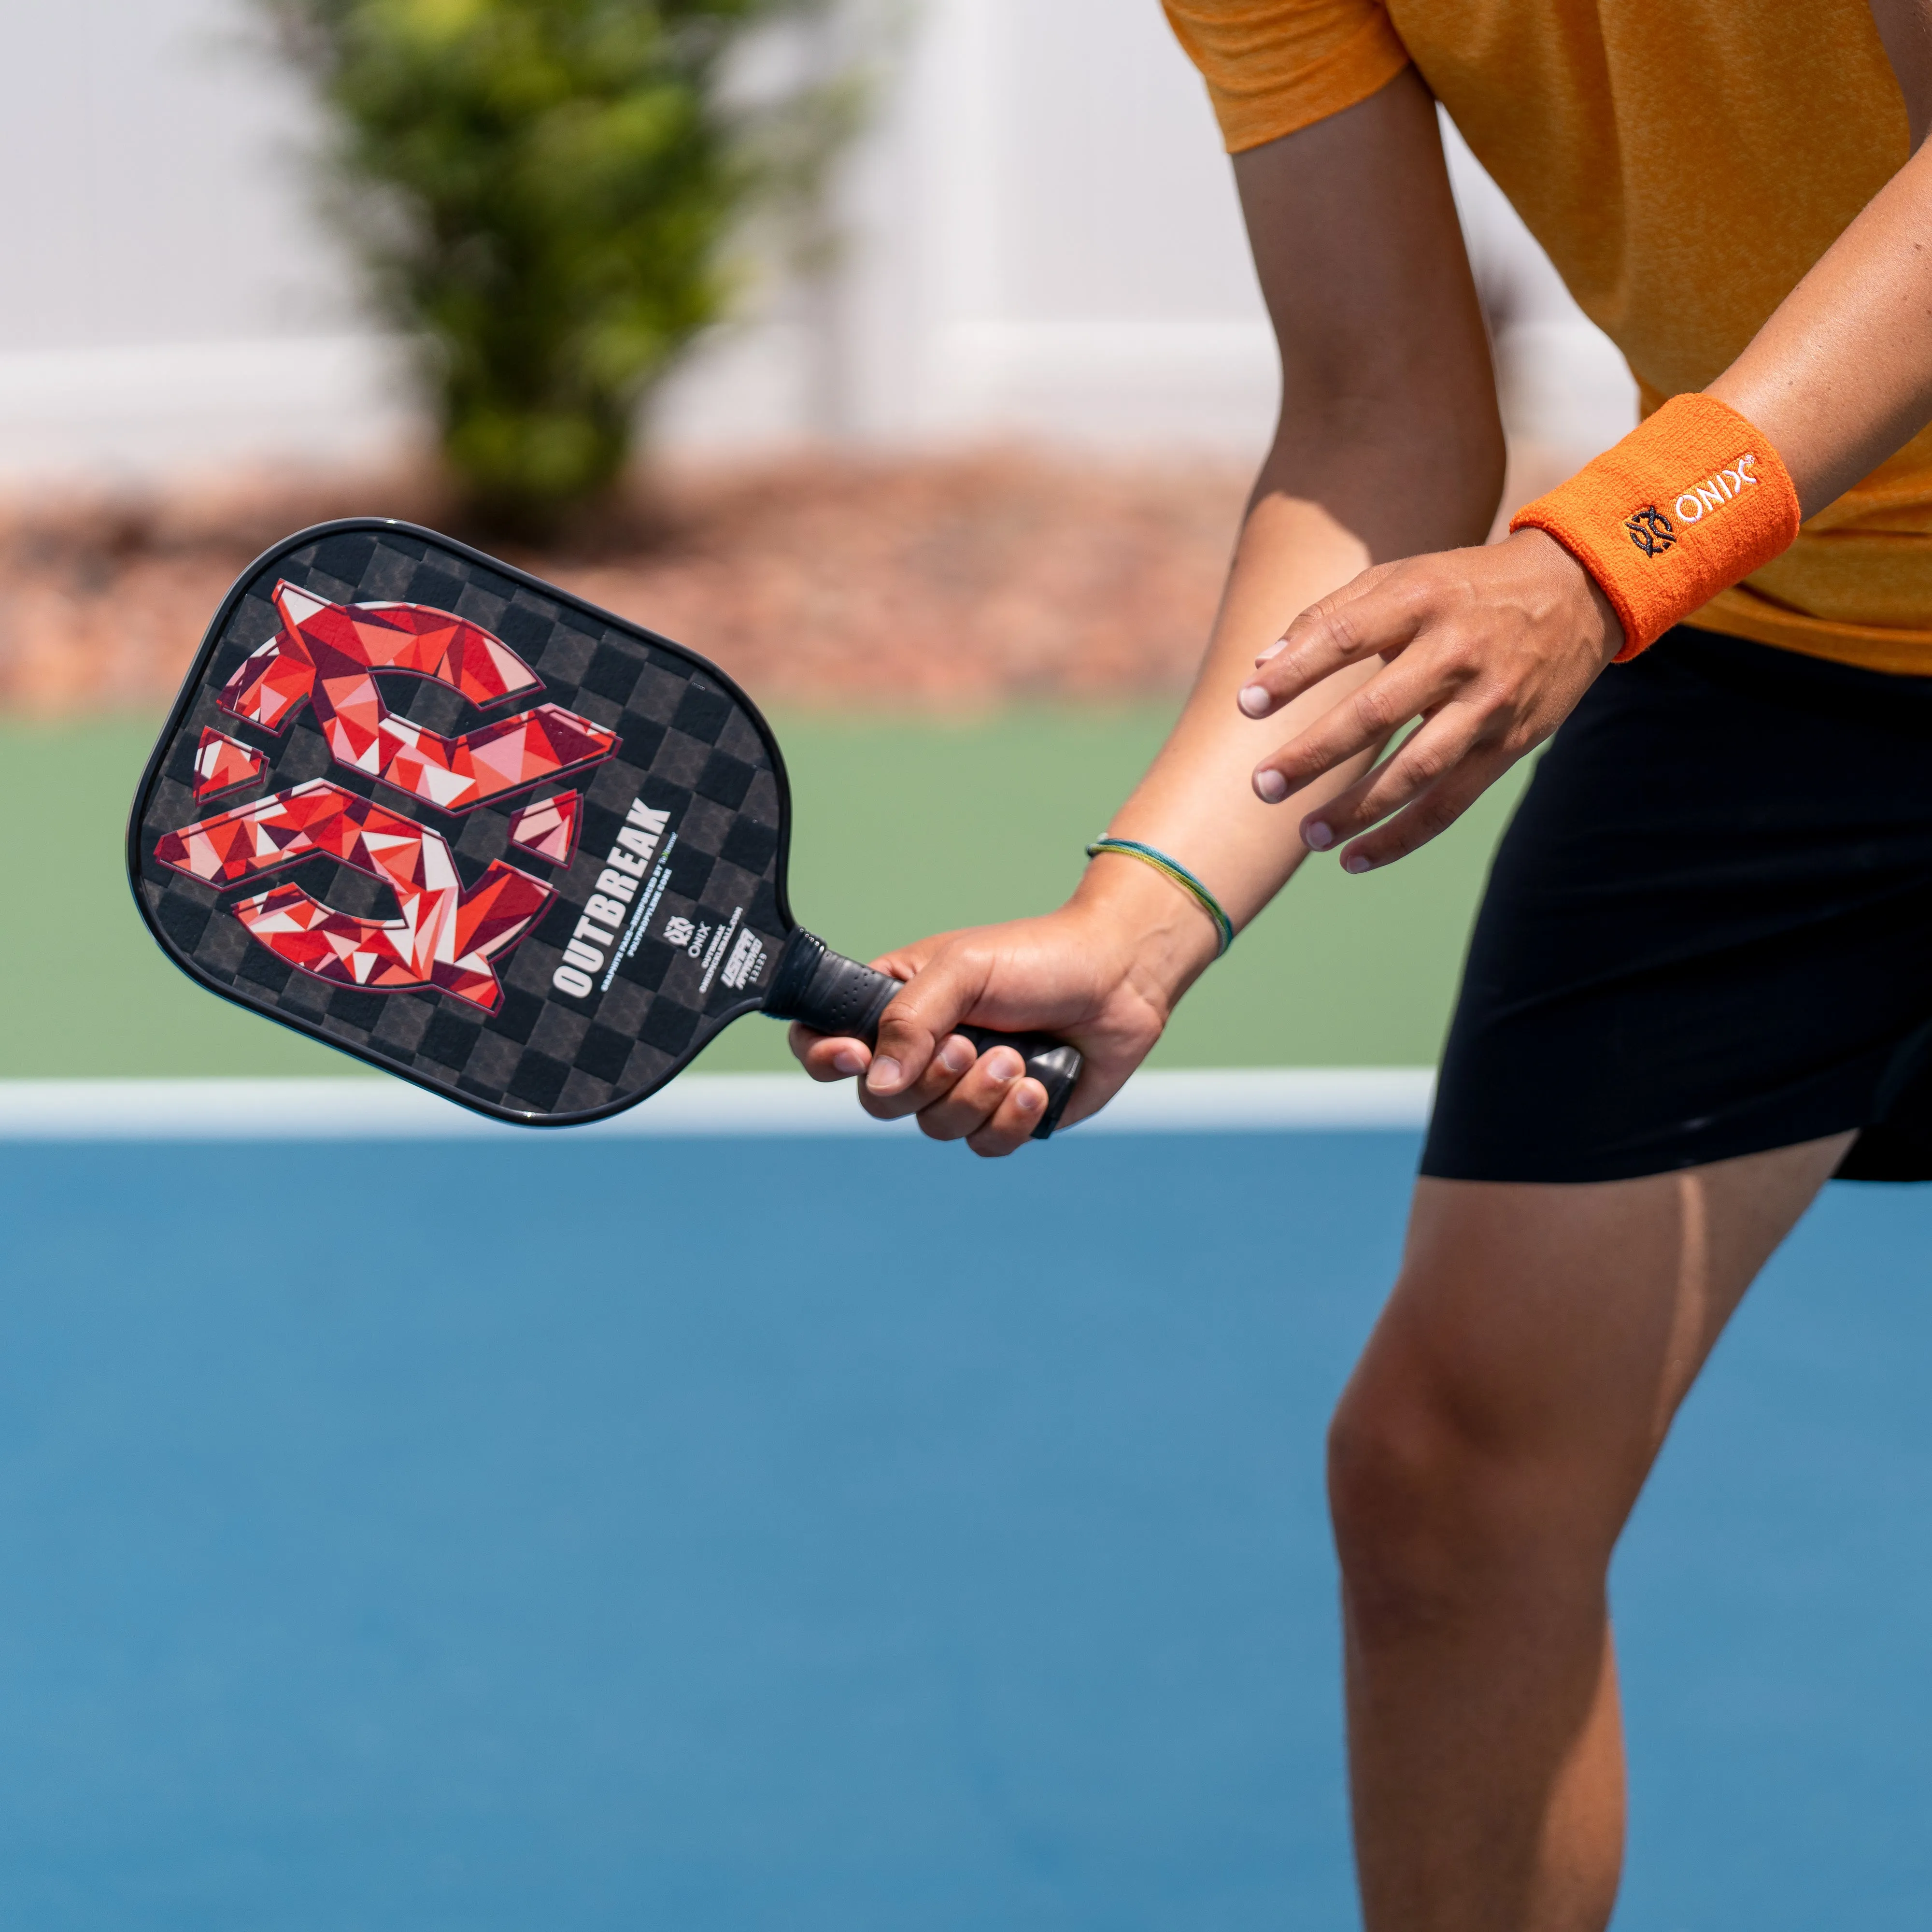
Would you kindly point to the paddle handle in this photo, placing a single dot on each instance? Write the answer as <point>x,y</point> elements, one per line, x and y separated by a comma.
<point>833,995</point>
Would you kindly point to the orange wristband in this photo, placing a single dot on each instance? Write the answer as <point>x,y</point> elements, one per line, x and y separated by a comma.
<point>1689,502</point>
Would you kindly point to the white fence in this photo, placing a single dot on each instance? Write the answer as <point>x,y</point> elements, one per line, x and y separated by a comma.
<point>1042,241</point>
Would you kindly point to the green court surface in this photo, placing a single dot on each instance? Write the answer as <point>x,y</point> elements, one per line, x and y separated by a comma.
<point>901,827</point>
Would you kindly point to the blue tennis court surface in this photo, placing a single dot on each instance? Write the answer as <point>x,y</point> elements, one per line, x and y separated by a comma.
<point>809,1534</point>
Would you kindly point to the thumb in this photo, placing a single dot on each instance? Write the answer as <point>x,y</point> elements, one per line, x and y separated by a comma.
<point>923,1013</point>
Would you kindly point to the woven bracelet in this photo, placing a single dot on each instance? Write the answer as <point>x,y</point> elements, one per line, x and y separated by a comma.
<point>1171,868</point>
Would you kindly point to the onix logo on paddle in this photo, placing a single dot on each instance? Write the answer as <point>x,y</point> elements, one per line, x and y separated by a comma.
<point>447,935</point>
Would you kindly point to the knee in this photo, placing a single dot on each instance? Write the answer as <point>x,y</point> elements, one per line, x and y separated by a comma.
<point>1400,1497</point>
<point>1438,1513</point>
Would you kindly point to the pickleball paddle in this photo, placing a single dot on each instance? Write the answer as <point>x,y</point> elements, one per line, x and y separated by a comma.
<point>427,807</point>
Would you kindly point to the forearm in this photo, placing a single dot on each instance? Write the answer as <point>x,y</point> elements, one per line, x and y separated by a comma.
<point>1195,801</point>
<point>1364,545</point>
<point>1841,376</point>
<point>1390,448</point>
<point>1308,532</point>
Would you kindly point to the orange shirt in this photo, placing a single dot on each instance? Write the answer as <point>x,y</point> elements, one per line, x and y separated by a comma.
<point>1683,166</point>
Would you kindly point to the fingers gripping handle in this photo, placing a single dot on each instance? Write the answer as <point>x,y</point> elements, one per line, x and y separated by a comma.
<point>832,994</point>
<point>828,992</point>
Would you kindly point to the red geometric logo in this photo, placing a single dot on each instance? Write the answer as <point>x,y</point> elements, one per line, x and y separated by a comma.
<point>222,763</point>
<point>327,654</point>
<point>548,829</point>
<point>445,937</point>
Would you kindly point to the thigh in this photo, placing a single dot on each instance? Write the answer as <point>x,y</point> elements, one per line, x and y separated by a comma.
<point>1540,1337</point>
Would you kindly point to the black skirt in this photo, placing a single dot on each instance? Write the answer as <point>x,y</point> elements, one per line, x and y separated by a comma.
<point>1707,931</point>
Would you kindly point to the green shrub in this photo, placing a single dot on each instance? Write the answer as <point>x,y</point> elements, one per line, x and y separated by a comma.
<point>545,190</point>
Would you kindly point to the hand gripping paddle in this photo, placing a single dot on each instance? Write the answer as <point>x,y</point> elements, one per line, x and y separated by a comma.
<point>480,834</point>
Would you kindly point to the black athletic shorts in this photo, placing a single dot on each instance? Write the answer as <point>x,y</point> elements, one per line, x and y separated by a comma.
<point>1707,931</point>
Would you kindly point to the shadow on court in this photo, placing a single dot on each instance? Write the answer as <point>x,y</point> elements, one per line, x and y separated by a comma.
<point>801,1535</point>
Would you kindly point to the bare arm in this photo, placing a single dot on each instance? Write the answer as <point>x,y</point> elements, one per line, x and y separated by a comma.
<point>1840,376</point>
<point>1388,446</point>
<point>1381,465</point>
<point>1477,644</point>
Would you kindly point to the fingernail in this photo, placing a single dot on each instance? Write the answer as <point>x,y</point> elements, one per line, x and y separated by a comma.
<point>884,1075</point>
<point>1005,1065</point>
<point>1274,650</point>
<point>847,1062</point>
<point>1027,1098</point>
<point>957,1054</point>
<point>1357,863</point>
<point>1254,700</point>
<point>1316,836</point>
<point>1271,786</point>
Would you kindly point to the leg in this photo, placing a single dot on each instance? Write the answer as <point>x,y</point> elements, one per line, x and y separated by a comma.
<point>1485,1455</point>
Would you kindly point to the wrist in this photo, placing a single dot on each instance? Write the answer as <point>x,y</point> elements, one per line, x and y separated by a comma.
<point>1161,939</point>
<point>1692,501</point>
<point>1598,620</point>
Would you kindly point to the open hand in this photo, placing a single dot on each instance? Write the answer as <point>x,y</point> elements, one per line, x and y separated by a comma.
<point>1491,649</point>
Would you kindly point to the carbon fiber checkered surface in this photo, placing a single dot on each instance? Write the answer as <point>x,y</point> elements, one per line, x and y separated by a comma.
<point>690,746</point>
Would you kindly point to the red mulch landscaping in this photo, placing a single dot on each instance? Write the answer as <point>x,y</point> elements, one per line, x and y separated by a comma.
<point>955,581</point>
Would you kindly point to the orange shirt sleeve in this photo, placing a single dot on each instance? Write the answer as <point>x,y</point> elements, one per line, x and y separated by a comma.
<point>1272,66</point>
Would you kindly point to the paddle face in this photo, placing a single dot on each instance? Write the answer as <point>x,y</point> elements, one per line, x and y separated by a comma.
<point>463,826</point>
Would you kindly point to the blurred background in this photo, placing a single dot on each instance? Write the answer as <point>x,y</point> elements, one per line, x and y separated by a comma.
<point>940,417</point>
<point>764,1530</point>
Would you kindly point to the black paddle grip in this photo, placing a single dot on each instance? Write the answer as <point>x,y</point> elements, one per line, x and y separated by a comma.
<point>833,995</point>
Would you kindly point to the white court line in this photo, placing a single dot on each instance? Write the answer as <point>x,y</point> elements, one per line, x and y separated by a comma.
<point>705,1105</point>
